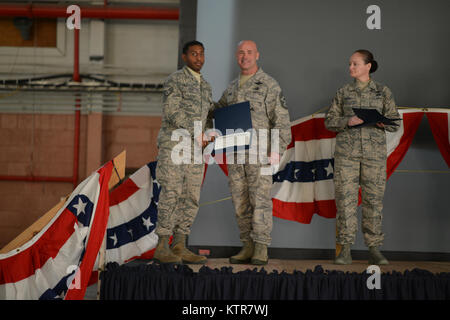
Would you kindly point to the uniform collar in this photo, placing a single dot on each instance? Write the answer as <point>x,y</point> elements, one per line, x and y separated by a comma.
<point>370,85</point>
<point>257,76</point>
<point>188,74</point>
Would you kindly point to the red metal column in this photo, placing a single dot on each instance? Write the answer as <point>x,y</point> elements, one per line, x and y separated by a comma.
<point>99,12</point>
<point>76,77</point>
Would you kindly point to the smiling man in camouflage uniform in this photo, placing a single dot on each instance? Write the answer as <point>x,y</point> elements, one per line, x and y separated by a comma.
<point>187,98</point>
<point>250,189</point>
<point>360,157</point>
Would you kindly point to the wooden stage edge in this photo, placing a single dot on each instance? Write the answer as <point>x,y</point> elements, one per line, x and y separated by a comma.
<point>290,266</point>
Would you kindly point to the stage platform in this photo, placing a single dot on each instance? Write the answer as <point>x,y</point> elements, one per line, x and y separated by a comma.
<point>278,280</point>
<point>358,266</point>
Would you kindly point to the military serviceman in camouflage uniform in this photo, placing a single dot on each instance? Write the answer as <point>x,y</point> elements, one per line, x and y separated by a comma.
<point>250,189</point>
<point>187,98</point>
<point>360,157</point>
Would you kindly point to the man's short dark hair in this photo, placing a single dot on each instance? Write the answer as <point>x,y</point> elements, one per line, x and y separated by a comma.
<point>189,44</point>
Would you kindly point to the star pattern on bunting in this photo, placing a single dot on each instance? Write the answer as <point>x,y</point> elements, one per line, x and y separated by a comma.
<point>80,206</point>
<point>114,238</point>
<point>147,223</point>
<point>329,169</point>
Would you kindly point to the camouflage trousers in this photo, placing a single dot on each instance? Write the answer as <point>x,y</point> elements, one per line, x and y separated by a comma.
<point>349,174</point>
<point>179,196</point>
<point>251,195</point>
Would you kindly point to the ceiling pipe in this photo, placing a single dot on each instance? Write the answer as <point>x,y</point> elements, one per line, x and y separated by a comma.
<point>94,12</point>
<point>36,178</point>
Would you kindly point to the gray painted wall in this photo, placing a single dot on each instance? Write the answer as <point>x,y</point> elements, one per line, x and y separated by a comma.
<point>305,45</point>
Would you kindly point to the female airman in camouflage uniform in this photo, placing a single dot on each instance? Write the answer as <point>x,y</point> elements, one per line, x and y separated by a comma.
<point>360,157</point>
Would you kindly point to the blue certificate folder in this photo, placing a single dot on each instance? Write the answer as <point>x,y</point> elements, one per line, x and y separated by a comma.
<point>233,117</point>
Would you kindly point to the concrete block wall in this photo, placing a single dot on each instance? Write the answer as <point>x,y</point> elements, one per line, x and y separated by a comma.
<point>43,145</point>
<point>40,144</point>
<point>136,134</point>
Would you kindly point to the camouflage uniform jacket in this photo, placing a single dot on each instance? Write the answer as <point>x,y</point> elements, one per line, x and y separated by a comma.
<point>267,104</point>
<point>373,139</point>
<point>185,100</point>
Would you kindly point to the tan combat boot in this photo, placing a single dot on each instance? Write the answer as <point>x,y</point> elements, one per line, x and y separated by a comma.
<point>179,249</point>
<point>163,254</point>
<point>260,256</point>
<point>344,256</point>
<point>245,255</point>
<point>375,257</point>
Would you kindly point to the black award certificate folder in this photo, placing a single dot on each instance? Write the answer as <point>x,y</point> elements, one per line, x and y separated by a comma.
<point>233,121</point>
<point>372,117</point>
